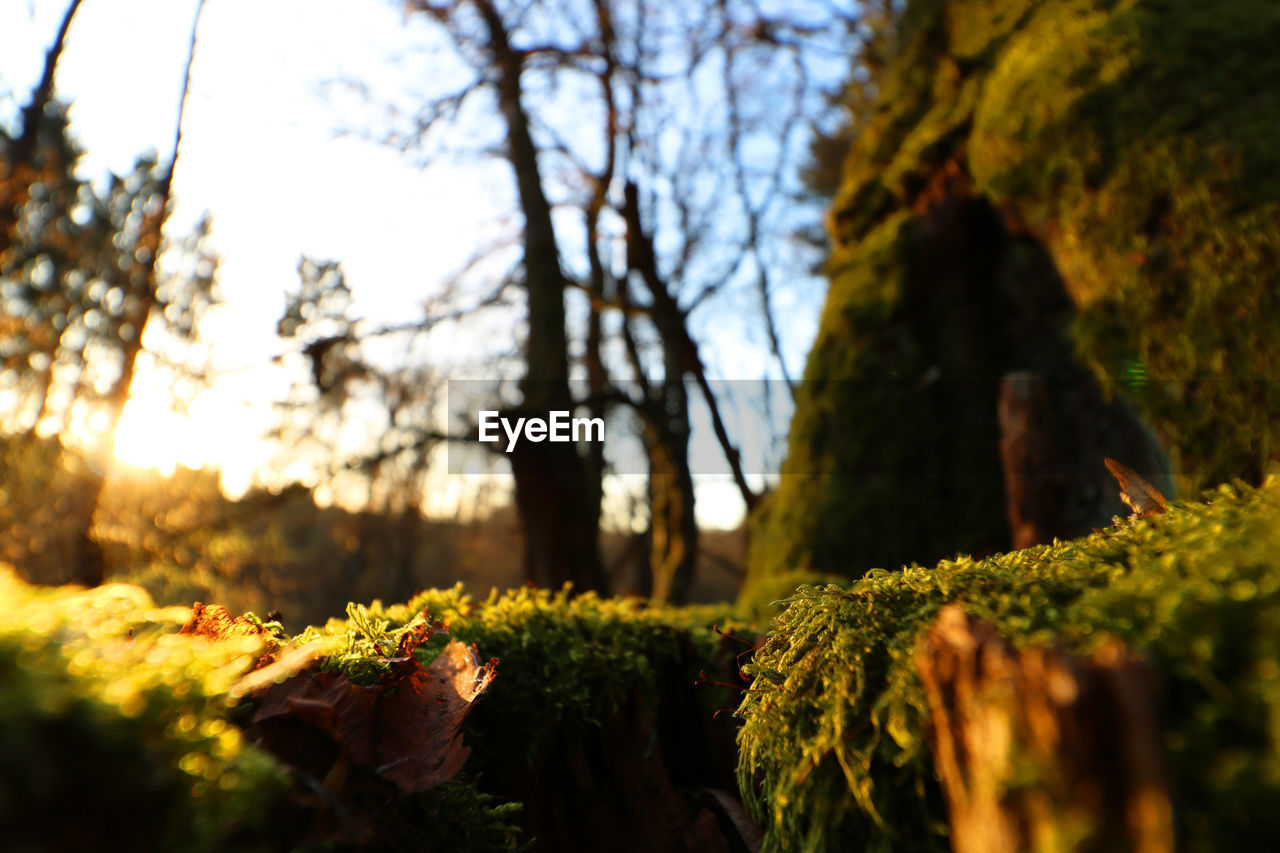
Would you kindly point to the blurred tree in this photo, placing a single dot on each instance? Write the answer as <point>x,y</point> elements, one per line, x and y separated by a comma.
<point>344,386</point>
<point>79,283</point>
<point>26,161</point>
<point>653,151</point>
<point>45,491</point>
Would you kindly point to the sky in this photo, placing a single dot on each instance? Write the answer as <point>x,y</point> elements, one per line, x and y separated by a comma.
<point>266,153</point>
<point>273,149</point>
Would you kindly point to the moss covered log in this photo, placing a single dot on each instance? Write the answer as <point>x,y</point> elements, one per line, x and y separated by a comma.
<point>116,730</point>
<point>1086,189</point>
<point>595,727</point>
<point>834,745</point>
<point>596,723</point>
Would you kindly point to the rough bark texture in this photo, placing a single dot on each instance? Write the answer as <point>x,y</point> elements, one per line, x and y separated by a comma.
<point>1040,750</point>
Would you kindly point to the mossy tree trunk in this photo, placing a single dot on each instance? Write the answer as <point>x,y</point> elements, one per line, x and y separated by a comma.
<point>897,451</point>
<point>1129,153</point>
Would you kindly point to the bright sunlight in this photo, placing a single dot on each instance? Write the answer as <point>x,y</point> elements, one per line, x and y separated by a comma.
<point>151,435</point>
<point>212,433</point>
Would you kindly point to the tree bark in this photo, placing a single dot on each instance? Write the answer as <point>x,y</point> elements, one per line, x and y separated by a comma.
<point>1032,485</point>
<point>1039,750</point>
<point>554,495</point>
<point>673,524</point>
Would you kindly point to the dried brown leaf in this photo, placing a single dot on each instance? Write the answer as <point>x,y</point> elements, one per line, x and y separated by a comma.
<point>213,621</point>
<point>216,623</point>
<point>1139,495</point>
<point>406,729</point>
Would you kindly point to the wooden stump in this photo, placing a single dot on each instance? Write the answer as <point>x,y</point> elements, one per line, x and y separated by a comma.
<point>1041,750</point>
<point>1032,482</point>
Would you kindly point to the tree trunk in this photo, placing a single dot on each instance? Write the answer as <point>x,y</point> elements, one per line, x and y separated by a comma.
<point>90,562</point>
<point>673,528</point>
<point>673,525</point>
<point>1039,750</point>
<point>553,492</point>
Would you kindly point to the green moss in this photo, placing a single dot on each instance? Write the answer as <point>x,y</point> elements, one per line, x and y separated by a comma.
<point>1139,140</point>
<point>865,459</point>
<point>567,666</point>
<point>834,725</point>
<point>461,817</point>
<point>107,714</point>
<point>1137,143</point>
<point>106,709</point>
<point>876,445</point>
<point>570,658</point>
<point>804,526</point>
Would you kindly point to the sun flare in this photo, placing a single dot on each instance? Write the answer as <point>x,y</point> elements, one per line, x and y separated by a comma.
<point>214,432</point>
<point>151,435</point>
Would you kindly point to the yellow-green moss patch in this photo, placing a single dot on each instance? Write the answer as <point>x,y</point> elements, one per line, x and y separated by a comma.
<point>834,725</point>
<point>115,727</point>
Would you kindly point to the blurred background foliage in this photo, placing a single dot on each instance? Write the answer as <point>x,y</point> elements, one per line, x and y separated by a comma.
<point>649,154</point>
<point>1000,203</point>
<point>183,540</point>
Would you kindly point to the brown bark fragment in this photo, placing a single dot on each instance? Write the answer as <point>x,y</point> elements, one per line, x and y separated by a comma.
<point>1041,750</point>
<point>1027,455</point>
